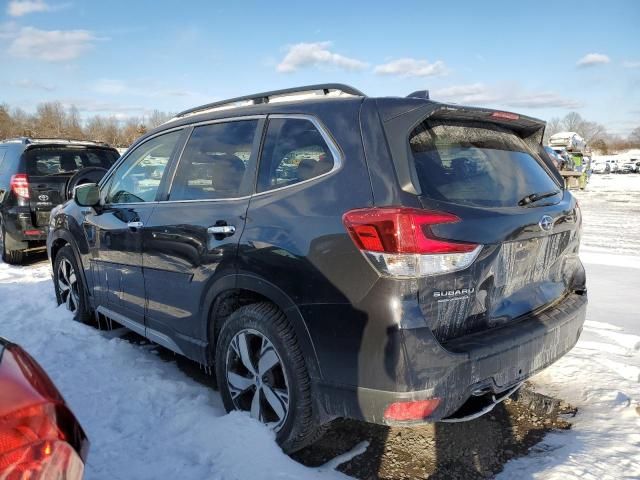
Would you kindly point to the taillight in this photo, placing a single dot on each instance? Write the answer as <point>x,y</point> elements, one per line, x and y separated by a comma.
<point>411,411</point>
<point>398,241</point>
<point>33,446</point>
<point>39,437</point>
<point>20,185</point>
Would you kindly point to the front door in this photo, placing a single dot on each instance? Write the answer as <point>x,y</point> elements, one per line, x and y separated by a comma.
<point>191,240</point>
<point>114,231</point>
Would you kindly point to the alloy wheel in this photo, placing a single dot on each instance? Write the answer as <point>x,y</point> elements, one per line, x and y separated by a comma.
<point>257,379</point>
<point>68,285</point>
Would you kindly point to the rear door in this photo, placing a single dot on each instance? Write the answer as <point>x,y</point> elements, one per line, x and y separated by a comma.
<point>49,168</point>
<point>114,231</point>
<point>191,239</point>
<point>507,200</point>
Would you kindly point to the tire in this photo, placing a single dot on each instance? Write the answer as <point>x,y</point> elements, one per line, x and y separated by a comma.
<point>12,257</point>
<point>270,342</point>
<point>69,285</point>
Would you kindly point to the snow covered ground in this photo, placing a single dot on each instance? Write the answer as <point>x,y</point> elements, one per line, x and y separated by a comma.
<point>147,419</point>
<point>601,375</point>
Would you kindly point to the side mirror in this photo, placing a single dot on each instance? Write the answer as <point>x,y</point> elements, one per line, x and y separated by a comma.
<point>87,195</point>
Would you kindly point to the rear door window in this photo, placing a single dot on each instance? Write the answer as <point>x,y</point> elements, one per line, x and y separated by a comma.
<point>216,162</point>
<point>56,161</point>
<point>477,164</point>
<point>294,151</point>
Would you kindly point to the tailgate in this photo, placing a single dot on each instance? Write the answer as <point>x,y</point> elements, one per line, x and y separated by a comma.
<point>45,193</point>
<point>49,168</point>
<point>501,189</point>
<point>516,273</point>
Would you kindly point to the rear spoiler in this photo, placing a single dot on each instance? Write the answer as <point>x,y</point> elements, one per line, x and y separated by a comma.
<point>400,116</point>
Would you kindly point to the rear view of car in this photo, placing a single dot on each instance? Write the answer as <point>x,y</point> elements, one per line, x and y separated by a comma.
<point>489,249</point>
<point>35,176</point>
<point>40,439</point>
<point>601,166</point>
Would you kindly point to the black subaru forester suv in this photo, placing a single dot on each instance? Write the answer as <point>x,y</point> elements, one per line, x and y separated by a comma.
<point>395,260</point>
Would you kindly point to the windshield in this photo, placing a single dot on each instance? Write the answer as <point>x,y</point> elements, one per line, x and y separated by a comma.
<point>61,160</point>
<point>477,164</point>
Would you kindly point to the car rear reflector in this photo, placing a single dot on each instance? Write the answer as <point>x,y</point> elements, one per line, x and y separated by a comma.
<point>505,115</point>
<point>32,232</point>
<point>20,185</point>
<point>398,241</point>
<point>411,411</point>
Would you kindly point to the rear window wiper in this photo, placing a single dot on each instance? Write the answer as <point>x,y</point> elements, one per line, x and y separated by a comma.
<point>534,197</point>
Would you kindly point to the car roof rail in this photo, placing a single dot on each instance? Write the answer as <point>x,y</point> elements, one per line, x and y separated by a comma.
<point>266,97</point>
<point>22,140</point>
<point>69,141</point>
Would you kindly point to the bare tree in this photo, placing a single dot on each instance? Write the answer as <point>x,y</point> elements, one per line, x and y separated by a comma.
<point>23,124</point>
<point>73,124</point>
<point>600,146</point>
<point>571,122</point>
<point>132,129</point>
<point>5,121</point>
<point>591,131</point>
<point>157,118</point>
<point>553,126</point>
<point>50,120</point>
<point>634,137</point>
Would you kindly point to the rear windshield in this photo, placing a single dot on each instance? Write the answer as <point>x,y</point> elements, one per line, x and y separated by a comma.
<point>477,164</point>
<point>56,160</point>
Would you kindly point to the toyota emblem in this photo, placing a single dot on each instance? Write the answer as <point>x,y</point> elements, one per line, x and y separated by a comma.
<point>546,223</point>
<point>43,198</point>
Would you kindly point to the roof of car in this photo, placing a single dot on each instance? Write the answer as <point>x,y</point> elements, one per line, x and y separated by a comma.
<point>54,141</point>
<point>312,99</point>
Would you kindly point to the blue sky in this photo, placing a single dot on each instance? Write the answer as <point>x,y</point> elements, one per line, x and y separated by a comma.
<point>127,58</point>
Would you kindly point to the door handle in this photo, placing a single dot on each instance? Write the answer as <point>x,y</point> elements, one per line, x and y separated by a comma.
<point>225,230</point>
<point>135,224</point>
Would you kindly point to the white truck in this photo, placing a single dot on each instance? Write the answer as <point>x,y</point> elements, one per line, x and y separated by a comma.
<point>569,141</point>
<point>573,145</point>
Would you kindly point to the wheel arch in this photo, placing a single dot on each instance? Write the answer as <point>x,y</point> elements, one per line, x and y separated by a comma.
<point>59,239</point>
<point>234,291</point>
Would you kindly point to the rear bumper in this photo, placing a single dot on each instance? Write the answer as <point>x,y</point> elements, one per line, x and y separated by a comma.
<point>493,361</point>
<point>21,234</point>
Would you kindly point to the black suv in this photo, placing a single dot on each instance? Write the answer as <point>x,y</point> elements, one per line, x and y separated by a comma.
<point>36,175</point>
<point>395,260</point>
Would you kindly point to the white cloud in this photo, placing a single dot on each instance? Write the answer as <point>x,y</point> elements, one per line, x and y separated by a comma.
<point>111,87</point>
<point>471,93</point>
<point>411,67</point>
<point>542,100</point>
<point>592,59</point>
<point>512,96</point>
<point>18,8</point>
<point>91,106</point>
<point>115,87</point>
<point>631,64</point>
<point>50,45</point>
<point>33,85</point>
<point>314,54</point>
<point>8,30</point>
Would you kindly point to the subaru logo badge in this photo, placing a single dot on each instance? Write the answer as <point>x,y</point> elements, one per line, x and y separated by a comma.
<point>43,198</point>
<point>546,223</point>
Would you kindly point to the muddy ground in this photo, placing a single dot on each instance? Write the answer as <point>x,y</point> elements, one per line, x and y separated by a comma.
<point>469,450</point>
